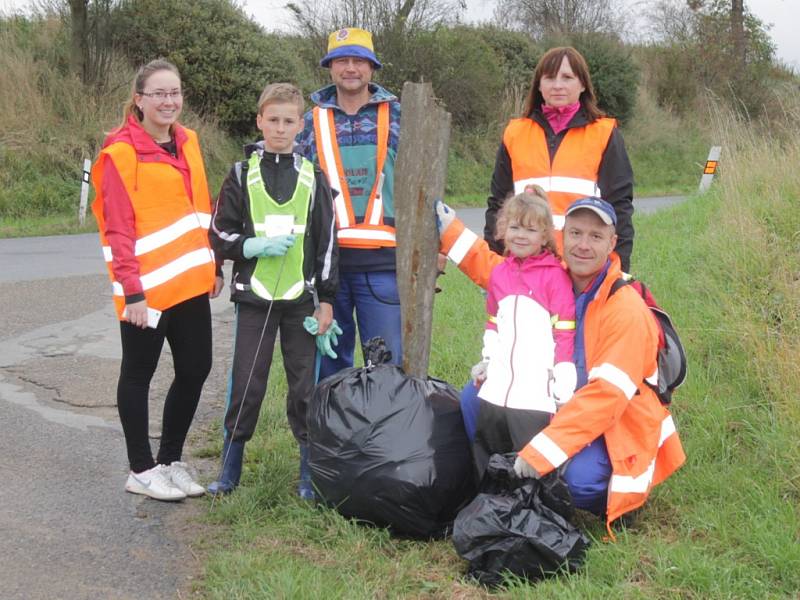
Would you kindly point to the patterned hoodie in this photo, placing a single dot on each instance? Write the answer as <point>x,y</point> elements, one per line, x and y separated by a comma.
<point>357,138</point>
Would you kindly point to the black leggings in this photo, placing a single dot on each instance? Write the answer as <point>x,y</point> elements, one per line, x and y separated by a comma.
<point>187,329</point>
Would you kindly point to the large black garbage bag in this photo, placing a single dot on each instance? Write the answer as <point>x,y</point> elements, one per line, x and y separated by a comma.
<point>518,525</point>
<point>390,449</point>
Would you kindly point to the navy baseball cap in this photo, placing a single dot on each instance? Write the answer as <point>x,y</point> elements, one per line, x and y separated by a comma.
<point>598,206</point>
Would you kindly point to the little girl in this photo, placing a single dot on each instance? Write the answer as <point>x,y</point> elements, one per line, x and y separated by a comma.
<point>526,371</point>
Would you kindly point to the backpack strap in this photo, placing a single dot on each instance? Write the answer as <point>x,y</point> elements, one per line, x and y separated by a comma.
<point>619,283</point>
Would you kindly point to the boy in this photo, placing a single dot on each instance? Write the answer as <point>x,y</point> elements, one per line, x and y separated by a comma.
<point>274,220</point>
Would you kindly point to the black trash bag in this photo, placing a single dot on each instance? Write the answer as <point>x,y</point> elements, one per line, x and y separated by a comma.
<point>521,526</point>
<point>390,449</point>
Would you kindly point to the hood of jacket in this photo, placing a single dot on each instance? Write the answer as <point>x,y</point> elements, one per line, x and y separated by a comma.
<point>326,97</point>
<point>134,134</point>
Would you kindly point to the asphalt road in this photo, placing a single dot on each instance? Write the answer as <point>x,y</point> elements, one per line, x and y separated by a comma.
<point>68,528</point>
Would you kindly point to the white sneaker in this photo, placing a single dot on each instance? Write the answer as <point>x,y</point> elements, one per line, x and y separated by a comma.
<point>181,479</point>
<point>155,483</point>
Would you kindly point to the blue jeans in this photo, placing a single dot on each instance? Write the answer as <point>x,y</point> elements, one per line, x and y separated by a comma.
<point>376,302</point>
<point>587,473</point>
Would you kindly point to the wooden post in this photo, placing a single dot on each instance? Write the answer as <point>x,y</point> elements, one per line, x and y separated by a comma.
<point>420,172</point>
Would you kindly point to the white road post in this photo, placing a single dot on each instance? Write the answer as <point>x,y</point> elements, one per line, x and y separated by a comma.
<point>710,168</point>
<point>87,167</point>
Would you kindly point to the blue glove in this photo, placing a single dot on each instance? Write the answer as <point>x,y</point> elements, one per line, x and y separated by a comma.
<point>326,341</point>
<point>444,216</point>
<point>270,246</point>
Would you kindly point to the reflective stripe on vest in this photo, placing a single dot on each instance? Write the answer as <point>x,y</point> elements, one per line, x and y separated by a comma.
<point>171,248</point>
<point>372,232</point>
<point>279,277</point>
<point>573,172</point>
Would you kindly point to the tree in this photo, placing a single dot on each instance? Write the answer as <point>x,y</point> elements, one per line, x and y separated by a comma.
<point>717,45</point>
<point>79,40</point>
<point>319,17</point>
<point>543,18</point>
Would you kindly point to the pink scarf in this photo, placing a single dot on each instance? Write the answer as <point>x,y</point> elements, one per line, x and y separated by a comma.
<point>560,116</point>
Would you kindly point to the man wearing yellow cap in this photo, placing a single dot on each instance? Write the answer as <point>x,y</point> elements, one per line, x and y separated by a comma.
<point>352,134</point>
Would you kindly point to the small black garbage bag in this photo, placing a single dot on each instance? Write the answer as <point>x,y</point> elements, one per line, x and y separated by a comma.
<point>517,525</point>
<point>390,449</point>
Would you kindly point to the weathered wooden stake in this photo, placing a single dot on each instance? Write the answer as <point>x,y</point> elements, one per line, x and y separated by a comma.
<point>420,173</point>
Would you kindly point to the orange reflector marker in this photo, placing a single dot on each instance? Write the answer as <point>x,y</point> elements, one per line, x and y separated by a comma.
<point>710,168</point>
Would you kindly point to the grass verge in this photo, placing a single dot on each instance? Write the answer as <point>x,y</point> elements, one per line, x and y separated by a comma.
<point>727,266</point>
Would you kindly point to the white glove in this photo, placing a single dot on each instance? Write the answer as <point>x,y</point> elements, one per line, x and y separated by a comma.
<point>524,470</point>
<point>478,372</point>
<point>564,381</point>
<point>444,216</point>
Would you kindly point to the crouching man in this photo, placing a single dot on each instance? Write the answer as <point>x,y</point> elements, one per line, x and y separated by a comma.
<point>619,439</point>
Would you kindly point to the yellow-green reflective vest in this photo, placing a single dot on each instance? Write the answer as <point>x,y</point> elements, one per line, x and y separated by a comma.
<point>279,277</point>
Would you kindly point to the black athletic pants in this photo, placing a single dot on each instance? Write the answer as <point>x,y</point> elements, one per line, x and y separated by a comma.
<point>501,430</point>
<point>187,329</point>
<point>299,352</point>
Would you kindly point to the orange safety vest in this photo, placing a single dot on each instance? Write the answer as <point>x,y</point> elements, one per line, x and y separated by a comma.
<point>643,445</point>
<point>372,232</point>
<point>172,248</point>
<point>574,170</point>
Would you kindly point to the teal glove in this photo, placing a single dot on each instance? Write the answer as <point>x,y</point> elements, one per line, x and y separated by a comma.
<point>326,341</point>
<point>311,325</point>
<point>270,246</point>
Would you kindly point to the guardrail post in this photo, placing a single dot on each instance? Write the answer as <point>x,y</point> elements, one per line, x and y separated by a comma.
<point>710,168</point>
<point>87,168</point>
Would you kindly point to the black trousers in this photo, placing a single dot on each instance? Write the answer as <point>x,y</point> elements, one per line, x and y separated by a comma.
<point>187,329</point>
<point>501,430</point>
<point>299,352</point>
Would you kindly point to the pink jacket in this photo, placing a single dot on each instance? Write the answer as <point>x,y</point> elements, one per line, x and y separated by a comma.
<point>531,328</point>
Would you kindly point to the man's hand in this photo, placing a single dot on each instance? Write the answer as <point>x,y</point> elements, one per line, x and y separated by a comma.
<point>524,470</point>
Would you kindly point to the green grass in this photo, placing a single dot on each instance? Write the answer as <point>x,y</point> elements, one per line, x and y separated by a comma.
<point>725,526</point>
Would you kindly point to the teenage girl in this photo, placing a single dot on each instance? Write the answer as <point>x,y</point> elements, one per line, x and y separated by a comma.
<point>153,211</point>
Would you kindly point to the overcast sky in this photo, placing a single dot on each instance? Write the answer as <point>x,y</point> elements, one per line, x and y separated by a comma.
<point>784,15</point>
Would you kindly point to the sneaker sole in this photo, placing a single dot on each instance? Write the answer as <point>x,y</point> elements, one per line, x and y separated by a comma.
<point>151,494</point>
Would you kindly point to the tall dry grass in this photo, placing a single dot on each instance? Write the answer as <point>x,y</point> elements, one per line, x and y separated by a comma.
<point>757,242</point>
<point>50,121</point>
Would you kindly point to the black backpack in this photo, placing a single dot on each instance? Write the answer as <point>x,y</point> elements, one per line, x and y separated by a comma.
<point>671,355</point>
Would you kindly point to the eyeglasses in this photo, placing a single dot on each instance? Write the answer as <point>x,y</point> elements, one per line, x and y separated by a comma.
<point>160,95</point>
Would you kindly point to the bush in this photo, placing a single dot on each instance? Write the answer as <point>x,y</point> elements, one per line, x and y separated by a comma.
<point>614,74</point>
<point>225,59</point>
<point>461,67</point>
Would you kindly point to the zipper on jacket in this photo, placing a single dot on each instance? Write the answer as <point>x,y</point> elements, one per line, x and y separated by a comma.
<point>511,355</point>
